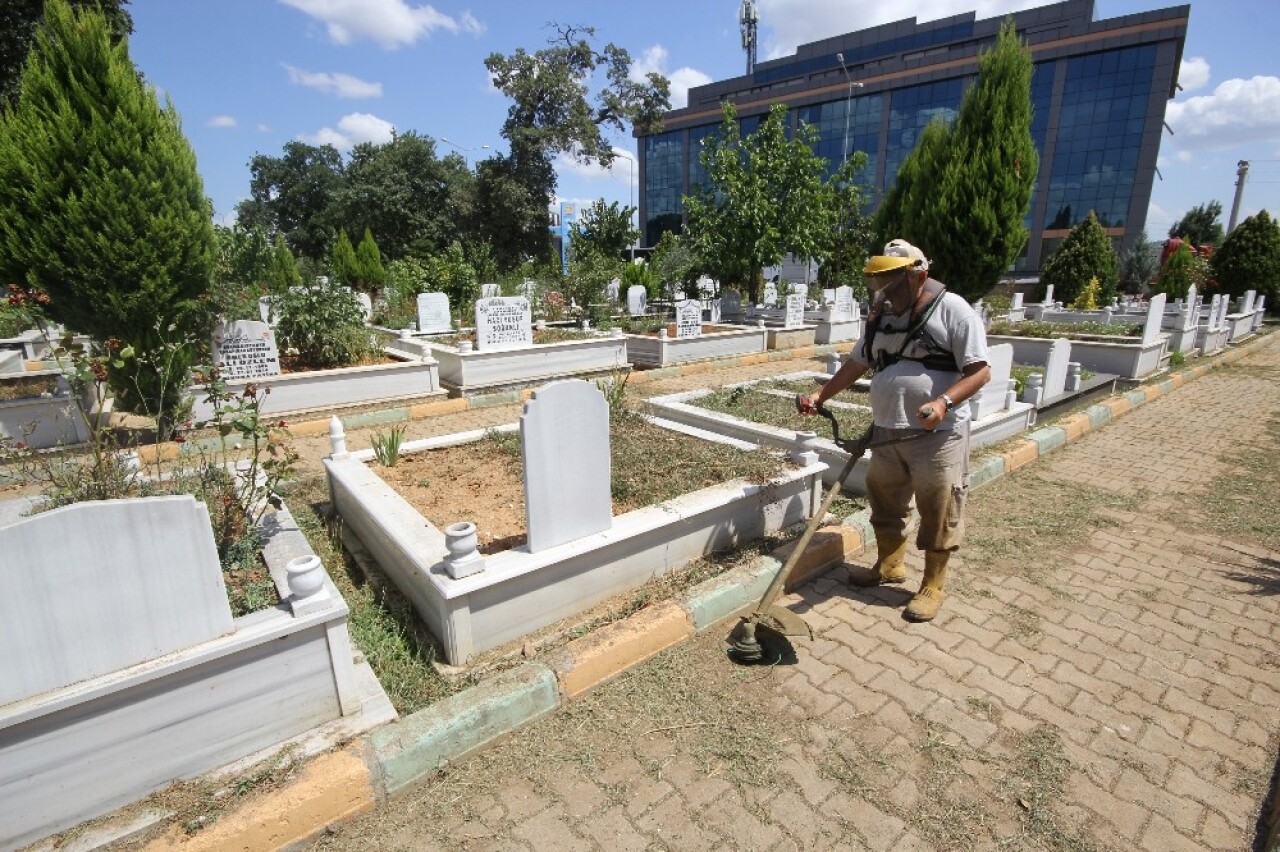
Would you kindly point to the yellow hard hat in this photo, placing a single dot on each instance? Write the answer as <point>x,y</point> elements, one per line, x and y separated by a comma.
<point>897,254</point>
<point>880,263</point>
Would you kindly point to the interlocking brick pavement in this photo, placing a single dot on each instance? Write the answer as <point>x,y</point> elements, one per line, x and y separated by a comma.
<point>1153,668</point>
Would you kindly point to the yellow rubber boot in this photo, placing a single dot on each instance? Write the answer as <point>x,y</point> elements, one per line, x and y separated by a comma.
<point>924,606</point>
<point>890,567</point>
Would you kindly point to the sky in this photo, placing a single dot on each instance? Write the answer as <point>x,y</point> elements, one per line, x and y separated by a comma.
<point>247,76</point>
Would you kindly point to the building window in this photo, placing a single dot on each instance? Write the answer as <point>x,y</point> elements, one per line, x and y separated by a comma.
<point>910,111</point>
<point>663,184</point>
<point>863,130</point>
<point>1095,164</point>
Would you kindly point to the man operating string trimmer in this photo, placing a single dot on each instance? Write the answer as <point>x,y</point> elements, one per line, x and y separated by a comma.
<point>929,353</point>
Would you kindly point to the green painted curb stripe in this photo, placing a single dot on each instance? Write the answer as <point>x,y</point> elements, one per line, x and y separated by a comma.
<point>1048,438</point>
<point>450,729</point>
<point>1136,398</point>
<point>1166,386</point>
<point>491,399</point>
<point>1099,415</point>
<point>376,418</point>
<point>720,597</point>
<point>987,471</point>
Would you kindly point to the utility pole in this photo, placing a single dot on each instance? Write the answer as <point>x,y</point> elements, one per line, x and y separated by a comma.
<point>749,18</point>
<point>848,103</point>
<point>1242,171</point>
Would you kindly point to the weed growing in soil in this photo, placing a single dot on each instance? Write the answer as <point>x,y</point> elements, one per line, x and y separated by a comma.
<point>780,411</point>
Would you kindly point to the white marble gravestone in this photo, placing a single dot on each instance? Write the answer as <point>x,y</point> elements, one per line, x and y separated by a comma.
<point>1155,313</point>
<point>1214,307</point>
<point>490,291</point>
<point>770,294</point>
<point>365,301</point>
<point>1016,303</point>
<point>1048,294</point>
<point>713,311</point>
<point>706,286</point>
<point>797,287</point>
<point>433,313</point>
<point>1190,310</point>
<point>731,305</point>
<point>503,323</point>
<point>265,309</point>
<point>990,399</point>
<point>689,318</point>
<point>1224,308</point>
<point>637,300</point>
<point>564,440</point>
<point>245,349</point>
<point>828,296</point>
<point>846,309</point>
<point>1055,369</point>
<point>612,290</point>
<point>1246,301</point>
<point>794,317</point>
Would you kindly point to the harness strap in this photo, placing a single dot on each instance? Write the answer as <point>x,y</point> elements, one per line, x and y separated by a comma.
<point>932,361</point>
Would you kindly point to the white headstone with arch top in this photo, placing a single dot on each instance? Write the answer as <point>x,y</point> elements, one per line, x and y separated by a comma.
<point>564,441</point>
<point>433,313</point>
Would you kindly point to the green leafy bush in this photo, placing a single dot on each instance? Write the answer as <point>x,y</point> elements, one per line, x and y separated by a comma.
<point>324,327</point>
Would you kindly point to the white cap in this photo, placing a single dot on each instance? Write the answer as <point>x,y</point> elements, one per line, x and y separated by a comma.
<point>902,248</point>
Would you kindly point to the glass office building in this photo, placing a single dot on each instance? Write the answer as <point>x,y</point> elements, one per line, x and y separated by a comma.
<point>1099,90</point>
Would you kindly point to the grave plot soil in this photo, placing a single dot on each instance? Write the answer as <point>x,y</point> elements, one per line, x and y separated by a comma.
<point>706,329</point>
<point>27,387</point>
<point>483,481</point>
<point>540,336</point>
<point>750,403</point>
<point>294,364</point>
<point>1068,330</point>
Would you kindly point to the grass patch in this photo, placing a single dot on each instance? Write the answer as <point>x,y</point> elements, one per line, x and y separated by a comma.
<point>1243,503</point>
<point>382,621</point>
<point>1068,330</point>
<point>28,387</point>
<point>749,403</point>
<point>1027,518</point>
<point>1038,772</point>
<point>651,464</point>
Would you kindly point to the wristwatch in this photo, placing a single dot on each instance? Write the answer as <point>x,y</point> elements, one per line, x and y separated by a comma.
<point>948,402</point>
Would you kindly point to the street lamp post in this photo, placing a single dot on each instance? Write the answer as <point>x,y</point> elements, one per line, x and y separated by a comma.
<point>464,149</point>
<point>848,100</point>
<point>631,187</point>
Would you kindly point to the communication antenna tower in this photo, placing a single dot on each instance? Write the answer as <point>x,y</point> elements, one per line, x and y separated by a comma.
<point>749,18</point>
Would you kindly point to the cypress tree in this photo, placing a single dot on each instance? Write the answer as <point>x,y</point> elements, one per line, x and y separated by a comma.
<point>369,261</point>
<point>1177,274</point>
<point>342,259</point>
<point>1085,253</point>
<point>1250,258</point>
<point>102,208</point>
<point>968,188</point>
<point>282,268</point>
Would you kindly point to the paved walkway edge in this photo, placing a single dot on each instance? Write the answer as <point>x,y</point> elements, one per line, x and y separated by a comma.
<point>410,749</point>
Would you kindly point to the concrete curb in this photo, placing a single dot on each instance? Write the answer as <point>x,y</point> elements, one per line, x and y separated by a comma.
<point>408,750</point>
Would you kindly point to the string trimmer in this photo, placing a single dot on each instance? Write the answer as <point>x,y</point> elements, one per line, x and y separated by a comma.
<point>768,619</point>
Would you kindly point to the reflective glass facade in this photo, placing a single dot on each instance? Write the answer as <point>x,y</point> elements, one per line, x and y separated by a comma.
<point>836,138</point>
<point>1098,95</point>
<point>663,184</point>
<point>1104,107</point>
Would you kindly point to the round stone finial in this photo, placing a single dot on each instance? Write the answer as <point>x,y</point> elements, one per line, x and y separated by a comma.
<point>305,575</point>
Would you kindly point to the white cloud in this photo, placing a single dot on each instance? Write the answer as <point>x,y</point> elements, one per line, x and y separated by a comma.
<point>352,129</point>
<point>264,128</point>
<point>221,121</point>
<point>1239,111</point>
<point>624,171</point>
<point>654,59</point>
<point>341,85</point>
<point>390,23</point>
<point>1193,73</point>
<point>1183,156</point>
<point>784,24</point>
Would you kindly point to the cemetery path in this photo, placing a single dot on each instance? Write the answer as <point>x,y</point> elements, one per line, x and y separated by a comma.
<point>1104,675</point>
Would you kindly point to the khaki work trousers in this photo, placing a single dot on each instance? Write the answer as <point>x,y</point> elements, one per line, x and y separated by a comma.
<point>935,469</point>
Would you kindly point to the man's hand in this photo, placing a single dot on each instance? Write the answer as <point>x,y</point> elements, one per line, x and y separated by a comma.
<point>932,413</point>
<point>807,404</point>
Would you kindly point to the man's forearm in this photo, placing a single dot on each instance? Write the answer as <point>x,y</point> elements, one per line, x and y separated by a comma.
<point>850,371</point>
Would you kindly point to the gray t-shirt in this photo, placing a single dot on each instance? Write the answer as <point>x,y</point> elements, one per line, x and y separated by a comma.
<point>898,391</point>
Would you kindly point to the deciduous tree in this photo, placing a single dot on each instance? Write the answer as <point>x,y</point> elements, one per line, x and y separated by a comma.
<point>553,112</point>
<point>1250,258</point>
<point>1200,225</point>
<point>605,229</point>
<point>102,207</point>
<point>764,197</point>
<point>295,194</point>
